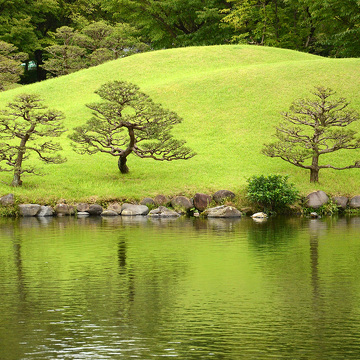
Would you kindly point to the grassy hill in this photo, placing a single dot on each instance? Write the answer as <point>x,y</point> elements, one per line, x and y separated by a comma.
<point>230,98</point>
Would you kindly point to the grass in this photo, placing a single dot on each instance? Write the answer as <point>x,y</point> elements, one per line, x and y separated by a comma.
<point>230,98</point>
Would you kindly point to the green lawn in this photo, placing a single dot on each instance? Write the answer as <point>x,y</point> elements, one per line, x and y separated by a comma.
<point>230,98</point>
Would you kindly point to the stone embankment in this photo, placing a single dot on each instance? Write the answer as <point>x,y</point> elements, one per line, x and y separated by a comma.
<point>162,206</point>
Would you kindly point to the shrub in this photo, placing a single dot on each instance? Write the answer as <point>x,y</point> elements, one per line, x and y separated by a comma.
<point>271,192</point>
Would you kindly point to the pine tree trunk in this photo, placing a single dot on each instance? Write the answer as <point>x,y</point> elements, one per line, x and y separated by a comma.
<point>314,171</point>
<point>16,179</point>
<point>122,165</point>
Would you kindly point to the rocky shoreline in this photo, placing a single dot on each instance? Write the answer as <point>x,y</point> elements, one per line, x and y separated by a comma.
<point>219,205</point>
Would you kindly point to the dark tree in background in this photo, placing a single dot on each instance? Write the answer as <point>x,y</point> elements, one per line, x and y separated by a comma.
<point>10,64</point>
<point>24,128</point>
<point>315,127</point>
<point>126,122</point>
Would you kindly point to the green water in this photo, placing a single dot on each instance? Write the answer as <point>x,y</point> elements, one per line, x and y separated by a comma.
<point>129,288</point>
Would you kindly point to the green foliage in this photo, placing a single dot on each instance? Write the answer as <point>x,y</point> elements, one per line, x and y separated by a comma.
<point>10,64</point>
<point>272,192</point>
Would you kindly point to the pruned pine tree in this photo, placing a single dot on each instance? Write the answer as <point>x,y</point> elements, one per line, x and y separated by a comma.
<point>25,127</point>
<point>129,122</point>
<point>312,128</point>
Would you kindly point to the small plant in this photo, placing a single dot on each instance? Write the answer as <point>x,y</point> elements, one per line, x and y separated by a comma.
<point>272,192</point>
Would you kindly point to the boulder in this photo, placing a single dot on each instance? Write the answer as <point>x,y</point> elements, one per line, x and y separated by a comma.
<point>64,209</point>
<point>95,209</point>
<point>109,213</point>
<point>222,212</point>
<point>162,211</point>
<point>82,214</point>
<point>340,201</point>
<point>134,210</point>
<point>181,204</point>
<point>314,215</point>
<point>355,202</point>
<point>82,207</point>
<point>7,200</point>
<point>147,201</point>
<point>222,195</point>
<point>259,215</point>
<point>115,207</point>
<point>29,209</point>
<point>45,211</point>
<point>316,199</point>
<point>201,201</point>
<point>161,200</point>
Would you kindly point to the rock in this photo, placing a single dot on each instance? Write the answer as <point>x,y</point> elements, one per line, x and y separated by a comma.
<point>314,215</point>
<point>45,211</point>
<point>115,207</point>
<point>355,202</point>
<point>162,211</point>
<point>317,199</point>
<point>222,195</point>
<point>109,213</point>
<point>95,209</point>
<point>82,214</point>
<point>7,200</point>
<point>341,201</point>
<point>64,209</point>
<point>222,212</point>
<point>29,209</point>
<point>147,201</point>
<point>134,210</point>
<point>259,215</point>
<point>82,207</point>
<point>161,200</point>
<point>181,204</point>
<point>201,201</point>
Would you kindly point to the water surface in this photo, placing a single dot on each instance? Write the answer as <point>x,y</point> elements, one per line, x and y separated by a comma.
<point>128,288</point>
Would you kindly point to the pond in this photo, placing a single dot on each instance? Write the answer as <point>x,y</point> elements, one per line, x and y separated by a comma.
<point>124,288</point>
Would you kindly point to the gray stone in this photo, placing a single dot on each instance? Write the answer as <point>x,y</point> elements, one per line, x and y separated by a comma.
<point>340,201</point>
<point>317,199</point>
<point>222,195</point>
<point>222,212</point>
<point>134,210</point>
<point>162,211</point>
<point>201,201</point>
<point>7,200</point>
<point>181,204</point>
<point>355,202</point>
<point>147,201</point>
<point>64,209</point>
<point>95,209</point>
<point>29,209</point>
<point>314,215</point>
<point>161,200</point>
<point>259,215</point>
<point>82,207</point>
<point>45,211</point>
<point>109,213</point>
<point>82,214</point>
<point>115,207</point>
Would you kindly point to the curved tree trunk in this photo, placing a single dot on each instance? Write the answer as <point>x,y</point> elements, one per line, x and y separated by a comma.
<point>122,165</point>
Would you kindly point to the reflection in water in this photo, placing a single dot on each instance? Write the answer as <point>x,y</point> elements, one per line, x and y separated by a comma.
<point>119,288</point>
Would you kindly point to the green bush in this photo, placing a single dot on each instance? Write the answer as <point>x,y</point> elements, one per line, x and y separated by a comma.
<point>272,193</point>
